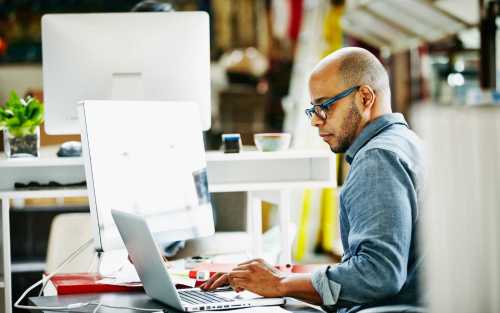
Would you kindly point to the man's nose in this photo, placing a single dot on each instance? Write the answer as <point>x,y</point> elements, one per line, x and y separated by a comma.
<point>316,121</point>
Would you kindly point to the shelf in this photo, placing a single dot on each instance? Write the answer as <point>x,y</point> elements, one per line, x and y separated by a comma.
<point>27,266</point>
<point>47,158</point>
<point>269,186</point>
<point>37,194</point>
<point>230,187</point>
<point>215,156</point>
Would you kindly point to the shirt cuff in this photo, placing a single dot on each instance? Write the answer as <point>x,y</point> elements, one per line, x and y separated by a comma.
<point>327,289</point>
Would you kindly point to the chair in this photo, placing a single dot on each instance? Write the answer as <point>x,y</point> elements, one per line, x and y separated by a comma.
<point>67,233</point>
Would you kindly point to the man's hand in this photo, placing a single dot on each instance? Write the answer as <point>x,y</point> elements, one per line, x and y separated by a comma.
<point>216,281</point>
<point>255,275</point>
<point>259,277</point>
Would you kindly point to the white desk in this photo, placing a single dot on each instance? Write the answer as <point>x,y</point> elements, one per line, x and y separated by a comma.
<point>265,176</point>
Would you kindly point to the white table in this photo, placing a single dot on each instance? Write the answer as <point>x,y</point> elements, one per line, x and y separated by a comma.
<point>269,176</point>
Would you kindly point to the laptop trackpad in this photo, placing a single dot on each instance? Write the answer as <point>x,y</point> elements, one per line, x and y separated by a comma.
<point>243,295</point>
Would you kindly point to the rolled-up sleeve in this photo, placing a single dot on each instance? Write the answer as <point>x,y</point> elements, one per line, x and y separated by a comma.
<point>378,201</point>
<point>327,289</point>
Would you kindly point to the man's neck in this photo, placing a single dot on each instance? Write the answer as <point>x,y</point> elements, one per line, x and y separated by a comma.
<point>377,112</point>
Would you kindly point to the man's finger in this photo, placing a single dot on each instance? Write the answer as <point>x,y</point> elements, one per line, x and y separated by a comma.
<point>238,274</point>
<point>219,282</point>
<point>211,280</point>
<point>251,261</point>
<point>244,267</point>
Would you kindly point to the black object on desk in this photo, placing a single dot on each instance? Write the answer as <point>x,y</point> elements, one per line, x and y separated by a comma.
<point>135,299</point>
<point>232,143</point>
<point>33,185</point>
<point>70,149</point>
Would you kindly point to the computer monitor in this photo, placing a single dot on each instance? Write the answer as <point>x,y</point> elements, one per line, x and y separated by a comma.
<point>123,56</point>
<point>145,158</point>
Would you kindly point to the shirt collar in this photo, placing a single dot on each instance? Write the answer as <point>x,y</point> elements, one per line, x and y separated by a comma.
<point>371,130</point>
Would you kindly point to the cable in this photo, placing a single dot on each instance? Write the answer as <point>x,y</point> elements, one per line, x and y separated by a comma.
<point>94,259</point>
<point>44,282</point>
<point>131,308</point>
<point>70,307</point>
<point>97,307</point>
<point>46,279</point>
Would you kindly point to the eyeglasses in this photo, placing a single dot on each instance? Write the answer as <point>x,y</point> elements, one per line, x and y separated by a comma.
<point>320,109</point>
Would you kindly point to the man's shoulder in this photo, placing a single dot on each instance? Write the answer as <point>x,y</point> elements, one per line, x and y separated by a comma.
<point>395,142</point>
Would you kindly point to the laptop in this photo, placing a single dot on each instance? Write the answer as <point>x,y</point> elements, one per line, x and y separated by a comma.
<point>154,275</point>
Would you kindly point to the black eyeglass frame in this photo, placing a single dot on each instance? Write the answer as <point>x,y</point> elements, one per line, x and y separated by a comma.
<point>320,109</point>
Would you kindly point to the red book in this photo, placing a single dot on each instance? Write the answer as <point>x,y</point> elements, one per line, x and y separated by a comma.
<point>87,283</point>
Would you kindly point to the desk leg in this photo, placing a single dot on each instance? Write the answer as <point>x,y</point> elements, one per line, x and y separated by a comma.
<point>6,255</point>
<point>284,218</point>
<point>254,224</point>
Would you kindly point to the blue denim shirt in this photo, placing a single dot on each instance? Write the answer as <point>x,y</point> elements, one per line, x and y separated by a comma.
<point>379,214</point>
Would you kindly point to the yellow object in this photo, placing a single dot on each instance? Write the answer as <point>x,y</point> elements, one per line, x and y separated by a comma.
<point>266,215</point>
<point>302,235</point>
<point>329,215</point>
<point>332,29</point>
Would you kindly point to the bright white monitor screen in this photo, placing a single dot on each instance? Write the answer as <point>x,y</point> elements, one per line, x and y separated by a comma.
<point>145,158</point>
<point>123,56</point>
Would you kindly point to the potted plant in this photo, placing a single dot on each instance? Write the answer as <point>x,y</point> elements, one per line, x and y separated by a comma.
<point>20,121</point>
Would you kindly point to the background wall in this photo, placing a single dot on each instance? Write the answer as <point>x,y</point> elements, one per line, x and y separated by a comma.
<point>20,78</point>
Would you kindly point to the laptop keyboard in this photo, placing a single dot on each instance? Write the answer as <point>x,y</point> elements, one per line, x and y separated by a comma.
<point>200,297</point>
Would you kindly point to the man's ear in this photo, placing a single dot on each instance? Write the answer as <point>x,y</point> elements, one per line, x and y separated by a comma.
<point>368,96</point>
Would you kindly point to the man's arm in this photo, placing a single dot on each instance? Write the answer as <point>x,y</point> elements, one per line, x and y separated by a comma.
<point>300,286</point>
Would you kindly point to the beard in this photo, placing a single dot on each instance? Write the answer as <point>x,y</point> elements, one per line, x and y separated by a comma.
<point>348,129</point>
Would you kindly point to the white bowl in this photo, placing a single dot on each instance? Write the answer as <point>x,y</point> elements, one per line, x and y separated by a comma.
<point>269,142</point>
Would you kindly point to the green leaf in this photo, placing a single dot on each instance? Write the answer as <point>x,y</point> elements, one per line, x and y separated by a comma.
<point>13,99</point>
<point>21,117</point>
<point>13,123</point>
<point>30,106</point>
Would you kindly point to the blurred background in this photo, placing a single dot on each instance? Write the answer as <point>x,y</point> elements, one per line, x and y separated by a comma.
<point>262,52</point>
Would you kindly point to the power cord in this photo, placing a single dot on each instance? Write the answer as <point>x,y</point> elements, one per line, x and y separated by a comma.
<point>44,281</point>
<point>70,307</point>
<point>159,310</point>
<point>97,307</point>
<point>82,248</point>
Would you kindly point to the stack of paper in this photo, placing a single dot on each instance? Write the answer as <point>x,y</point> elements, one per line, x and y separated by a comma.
<point>460,233</point>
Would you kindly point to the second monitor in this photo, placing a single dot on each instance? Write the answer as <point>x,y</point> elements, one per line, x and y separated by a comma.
<point>123,56</point>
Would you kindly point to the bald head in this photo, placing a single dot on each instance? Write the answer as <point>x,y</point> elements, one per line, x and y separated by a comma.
<point>341,122</point>
<point>353,67</point>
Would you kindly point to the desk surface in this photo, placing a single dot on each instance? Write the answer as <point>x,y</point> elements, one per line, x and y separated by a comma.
<point>135,299</point>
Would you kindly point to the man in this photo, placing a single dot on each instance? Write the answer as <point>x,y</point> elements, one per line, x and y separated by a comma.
<point>379,202</point>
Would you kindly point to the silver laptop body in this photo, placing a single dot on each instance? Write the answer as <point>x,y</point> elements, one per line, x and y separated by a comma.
<point>153,273</point>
